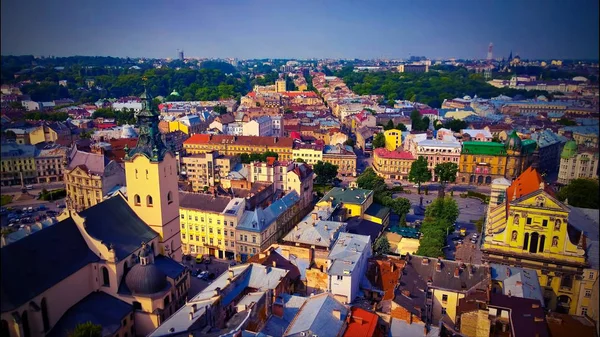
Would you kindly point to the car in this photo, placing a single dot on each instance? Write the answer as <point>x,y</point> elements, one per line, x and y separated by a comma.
<point>30,209</point>
<point>203,275</point>
<point>187,257</point>
<point>3,211</point>
<point>51,212</point>
<point>195,272</point>
<point>199,258</point>
<point>61,206</point>
<point>29,187</point>
<point>395,183</point>
<point>459,242</point>
<point>456,238</point>
<point>207,259</point>
<point>211,276</point>
<point>41,208</point>
<point>474,235</point>
<point>473,241</point>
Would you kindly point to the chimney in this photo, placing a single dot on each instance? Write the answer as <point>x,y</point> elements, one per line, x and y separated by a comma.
<point>425,261</point>
<point>193,308</point>
<point>314,216</point>
<point>406,293</point>
<point>392,267</point>
<point>277,309</point>
<point>274,264</point>
<point>191,316</point>
<point>456,272</point>
<point>507,272</point>
<point>325,227</point>
<point>337,314</point>
<point>230,273</point>
<point>438,266</point>
<point>267,269</point>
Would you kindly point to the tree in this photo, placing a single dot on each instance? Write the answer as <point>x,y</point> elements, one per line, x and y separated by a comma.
<point>401,127</point>
<point>389,125</point>
<point>379,140</point>
<point>350,142</point>
<point>446,172</point>
<point>444,210</point>
<point>455,125</point>
<point>566,122</point>
<point>369,180</point>
<point>86,135</point>
<point>288,111</point>
<point>382,245</point>
<point>10,134</point>
<point>300,160</point>
<point>326,173</point>
<point>402,221</point>
<point>220,109</point>
<point>419,173</point>
<point>400,206</point>
<point>581,193</point>
<point>88,329</point>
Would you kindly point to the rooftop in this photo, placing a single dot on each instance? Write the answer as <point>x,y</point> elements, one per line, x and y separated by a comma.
<point>275,325</point>
<point>566,325</point>
<point>203,202</point>
<point>362,323</point>
<point>384,153</point>
<point>353,196</point>
<point>586,220</point>
<point>346,252</point>
<point>520,282</point>
<point>316,316</point>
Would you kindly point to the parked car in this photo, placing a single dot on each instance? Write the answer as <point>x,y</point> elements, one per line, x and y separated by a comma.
<point>41,208</point>
<point>203,275</point>
<point>29,187</point>
<point>473,241</point>
<point>474,235</point>
<point>199,258</point>
<point>207,259</point>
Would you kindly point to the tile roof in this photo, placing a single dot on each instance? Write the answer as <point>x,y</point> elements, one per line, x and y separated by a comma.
<point>384,153</point>
<point>115,224</point>
<point>400,327</point>
<point>359,226</point>
<point>383,274</point>
<point>362,323</point>
<point>92,162</point>
<point>99,308</point>
<point>521,282</point>
<point>14,150</point>
<point>276,326</point>
<point>63,251</point>
<point>240,140</point>
<point>567,325</point>
<point>203,202</point>
<point>316,317</point>
<point>528,182</point>
<point>586,220</point>
<point>354,196</point>
<point>523,315</point>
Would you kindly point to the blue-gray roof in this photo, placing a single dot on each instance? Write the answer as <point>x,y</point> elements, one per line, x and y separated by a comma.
<point>316,317</point>
<point>276,326</point>
<point>582,129</point>
<point>14,150</point>
<point>99,308</point>
<point>49,255</point>
<point>260,219</point>
<point>586,220</point>
<point>168,266</point>
<point>347,252</point>
<point>521,282</point>
<point>547,137</point>
<point>114,223</point>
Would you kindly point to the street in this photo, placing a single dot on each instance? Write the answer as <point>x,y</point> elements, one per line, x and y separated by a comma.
<point>216,266</point>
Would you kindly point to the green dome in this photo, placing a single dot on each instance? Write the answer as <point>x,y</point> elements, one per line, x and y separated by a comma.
<point>175,93</point>
<point>569,150</point>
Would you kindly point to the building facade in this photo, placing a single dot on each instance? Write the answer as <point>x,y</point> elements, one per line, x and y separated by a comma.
<point>205,169</point>
<point>343,157</point>
<point>393,139</point>
<point>438,152</point>
<point>392,164</point>
<point>236,145</point>
<point>18,164</point>
<point>577,162</point>
<point>49,163</point>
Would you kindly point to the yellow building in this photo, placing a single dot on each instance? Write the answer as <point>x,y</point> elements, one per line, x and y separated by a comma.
<point>152,182</point>
<point>280,85</point>
<point>528,227</point>
<point>236,145</point>
<point>355,200</point>
<point>309,153</point>
<point>42,134</point>
<point>392,164</point>
<point>89,177</point>
<point>208,224</point>
<point>18,162</point>
<point>481,162</point>
<point>343,157</point>
<point>393,139</point>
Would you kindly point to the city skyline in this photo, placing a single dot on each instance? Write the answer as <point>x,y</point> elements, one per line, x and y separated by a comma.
<point>533,29</point>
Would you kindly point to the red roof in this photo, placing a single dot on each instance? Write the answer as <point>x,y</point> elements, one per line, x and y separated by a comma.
<point>362,323</point>
<point>528,182</point>
<point>241,140</point>
<point>381,152</point>
<point>302,93</point>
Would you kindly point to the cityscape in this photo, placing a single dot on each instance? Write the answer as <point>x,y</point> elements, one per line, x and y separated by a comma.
<point>258,176</point>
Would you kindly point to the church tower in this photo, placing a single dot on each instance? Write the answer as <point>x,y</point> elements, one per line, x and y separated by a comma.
<point>152,189</point>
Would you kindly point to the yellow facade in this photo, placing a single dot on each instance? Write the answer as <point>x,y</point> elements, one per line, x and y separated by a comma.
<point>17,158</point>
<point>202,230</point>
<point>152,192</point>
<point>234,149</point>
<point>42,134</point>
<point>533,234</point>
<point>84,189</point>
<point>392,165</point>
<point>393,139</point>
<point>178,126</point>
<point>445,301</point>
<point>280,85</point>
<point>310,156</point>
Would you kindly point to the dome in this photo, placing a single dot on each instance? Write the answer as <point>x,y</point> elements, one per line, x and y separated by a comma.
<point>569,150</point>
<point>146,279</point>
<point>128,132</point>
<point>514,142</point>
<point>542,98</point>
<point>174,93</point>
<point>580,79</point>
<point>467,98</point>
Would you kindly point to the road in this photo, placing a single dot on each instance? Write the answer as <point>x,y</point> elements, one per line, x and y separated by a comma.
<point>216,266</point>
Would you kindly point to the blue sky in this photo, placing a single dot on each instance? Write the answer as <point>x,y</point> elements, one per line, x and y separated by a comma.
<point>301,29</point>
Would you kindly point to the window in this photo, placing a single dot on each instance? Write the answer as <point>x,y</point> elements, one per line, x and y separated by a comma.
<point>182,235</point>
<point>218,231</point>
<point>583,311</point>
<point>588,293</point>
<point>545,223</point>
<point>591,275</point>
<point>566,281</point>
<point>444,298</point>
<point>170,198</point>
<point>137,200</point>
<point>182,216</point>
<point>124,321</point>
<point>149,201</point>
<point>196,218</point>
<point>146,174</point>
<point>210,230</point>
<point>105,278</point>
<point>443,311</point>
<point>529,221</point>
<point>340,278</point>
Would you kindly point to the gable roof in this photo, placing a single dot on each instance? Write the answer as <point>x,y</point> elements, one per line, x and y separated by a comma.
<point>362,323</point>
<point>529,181</point>
<point>50,256</point>
<point>92,162</point>
<point>114,223</point>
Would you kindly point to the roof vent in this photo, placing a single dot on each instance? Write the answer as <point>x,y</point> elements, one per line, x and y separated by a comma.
<point>425,261</point>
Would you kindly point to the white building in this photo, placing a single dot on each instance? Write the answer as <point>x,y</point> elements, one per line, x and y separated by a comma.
<point>261,126</point>
<point>346,265</point>
<point>277,122</point>
<point>437,152</point>
<point>133,103</point>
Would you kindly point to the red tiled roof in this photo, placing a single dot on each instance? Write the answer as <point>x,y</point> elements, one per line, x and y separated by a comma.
<point>528,182</point>
<point>290,94</point>
<point>381,152</point>
<point>362,323</point>
<point>384,275</point>
<point>240,140</point>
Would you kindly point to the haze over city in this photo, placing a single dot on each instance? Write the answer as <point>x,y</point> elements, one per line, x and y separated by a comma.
<point>533,29</point>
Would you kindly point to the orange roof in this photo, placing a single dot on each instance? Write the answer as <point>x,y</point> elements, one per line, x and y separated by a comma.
<point>528,182</point>
<point>240,140</point>
<point>362,323</point>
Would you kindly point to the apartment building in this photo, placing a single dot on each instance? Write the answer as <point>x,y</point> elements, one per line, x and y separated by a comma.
<point>205,169</point>
<point>392,164</point>
<point>208,224</point>
<point>307,153</point>
<point>343,157</point>
<point>438,152</point>
<point>346,265</point>
<point>134,103</point>
<point>577,161</point>
<point>260,126</point>
<point>236,145</point>
<point>260,228</point>
<point>18,164</point>
<point>89,177</point>
<point>49,163</point>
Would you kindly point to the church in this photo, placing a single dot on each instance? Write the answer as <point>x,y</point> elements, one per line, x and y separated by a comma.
<point>114,264</point>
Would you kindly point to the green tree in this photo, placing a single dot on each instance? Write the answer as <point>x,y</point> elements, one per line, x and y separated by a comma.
<point>382,245</point>
<point>419,173</point>
<point>288,111</point>
<point>350,142</point>
<point>580,193</point>
<point>444,210</point>
<point>379,140</point>
<point>326,173</point>
<point>401,127</point>
<point>402,221</point>
<point>455,125</point>
<point>446,172</point>
<point>400,206</point>
<point>87,329</point>
<point>300,160</point>
<point>566,122</point>
<point>369,180</point>
<point>220,109</point>
<point>264,156</point>
<point>389,125</point>
<point>10,134</point>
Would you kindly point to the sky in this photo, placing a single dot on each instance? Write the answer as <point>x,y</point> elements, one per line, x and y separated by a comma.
<point>532,29</point>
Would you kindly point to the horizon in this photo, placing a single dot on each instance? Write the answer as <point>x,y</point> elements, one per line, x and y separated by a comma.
<point>534,29</point>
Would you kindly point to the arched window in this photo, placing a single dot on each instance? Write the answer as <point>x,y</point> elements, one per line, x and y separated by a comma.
<point>105,278</point>
<point>136,172</point>
<point>137,200</point>
<point>146,174</point>
<point>542,243</point>
<point>5,331</point>
<point>526,241</point>
<point>169,197</point>
<point>45,318</point>
<point>25,323</point>
<point>149,201</point>
<point>533,245</point>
